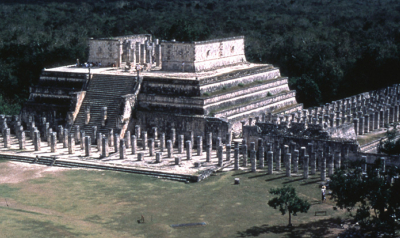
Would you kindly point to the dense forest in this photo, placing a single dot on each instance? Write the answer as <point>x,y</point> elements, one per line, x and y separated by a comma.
<point>330,49</point>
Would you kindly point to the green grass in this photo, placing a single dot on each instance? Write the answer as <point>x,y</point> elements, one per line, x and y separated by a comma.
<point>80,203</point>
<point>365,139</point>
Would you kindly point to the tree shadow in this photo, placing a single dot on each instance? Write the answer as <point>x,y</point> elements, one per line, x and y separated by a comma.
<point>318,228</point>
<point>272,179</point>
<point>311,181</point>
<point>293,180</point>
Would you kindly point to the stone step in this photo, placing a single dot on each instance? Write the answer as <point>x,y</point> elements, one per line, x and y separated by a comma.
<point>270,74</point>
<point>242,99</point>
<point>271,102</point>
<point>104,91</point>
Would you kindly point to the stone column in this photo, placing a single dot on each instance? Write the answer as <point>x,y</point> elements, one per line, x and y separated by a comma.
<point>60,131</point>
<point>87,115</point>
<point>377,120</point>
<point>244,153</point>
<point>77,135</point>
<point>261,154</point>
<point>144,140</point>
<point>355,121</point>
<point>172,136</point>
<point>295,161</point>
<point>82,139</point>
<point>177,160</point>
<point>209,139</point>
<point>110,137</point>
<point>387,116</point>
<point>366,125</point>
<point>228,152</point>
<point>36,140</point>
<point>228,138</point>
<point>128,139</point>
<point>140,157</point>
<point>88,148</point>
<point>371,121</point>
<point>330,164</point>
<point>65,139</point>
<point>104,147</point>
<point>162,142</point>
<point>99,143</point>
<point>303,152</point>
<point>116,142</point>
<point>361,126</point>
<point>391,114</point>
<point>236,157</point>
<point>71,144</point>
<point>189,149</point>
<point>305,166</point>
<point>278,153</point>
<point>49,132</point>
<point>199,146</point>
<point>158,157</point>
<point>219,142</point>
<point>122,149</point>
<point>270,161</point>
<point>22,141</point>
<point>133,144</point>
<point>53,143</point>
<point>383,164</point>
<point>169,148</point>
<point>137,131</point>
<point>364,164</point>
<point>313,163</point>
<point>208,153</point>
<point>103,116</point>
<point>154,131</point>
<point>93,136</point>
<point>288,164</point>
<point>180,144</point>
<point>323,168</point>
<point>7,138</point>
<point>337,160</point>
<point>382,119</point>
<point>151,147</point>
<point>219,155</point>
<point>253,160</point>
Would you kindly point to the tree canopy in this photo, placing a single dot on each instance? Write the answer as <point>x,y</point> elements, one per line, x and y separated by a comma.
<point>288,202</point>
<point>372,195</point>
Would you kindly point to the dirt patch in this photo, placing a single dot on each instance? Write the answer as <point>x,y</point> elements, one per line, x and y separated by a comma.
<point>15,172</point>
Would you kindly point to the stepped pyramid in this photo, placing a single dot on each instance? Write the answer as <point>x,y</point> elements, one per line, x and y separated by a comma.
<point>193,87</point>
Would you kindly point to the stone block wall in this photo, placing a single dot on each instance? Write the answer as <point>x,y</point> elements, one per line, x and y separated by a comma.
<point>202,55</point>
<point>105,51</point>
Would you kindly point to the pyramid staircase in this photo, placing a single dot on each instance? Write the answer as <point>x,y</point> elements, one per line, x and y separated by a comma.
<point>104,91</point>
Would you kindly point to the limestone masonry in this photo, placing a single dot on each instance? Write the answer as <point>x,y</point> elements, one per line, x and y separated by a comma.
<point>139,102</point>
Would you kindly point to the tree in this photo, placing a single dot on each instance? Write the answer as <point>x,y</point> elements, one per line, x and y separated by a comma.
<point>288,201</point>
<point>372,194</point>
<point>390,146</point>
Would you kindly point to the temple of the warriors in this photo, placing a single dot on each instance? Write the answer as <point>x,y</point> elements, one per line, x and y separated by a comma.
<point>183,110</point>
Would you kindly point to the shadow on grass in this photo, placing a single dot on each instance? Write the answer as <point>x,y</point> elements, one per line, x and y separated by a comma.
<point>272,179</point>
<point>318,228</point>
<point>248,172</point>
<point>315,180</point>
<point>260,175</point>
<point>294,180</point>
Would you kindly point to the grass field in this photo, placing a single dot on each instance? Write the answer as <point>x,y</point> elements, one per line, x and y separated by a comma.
<point>40,201</point>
